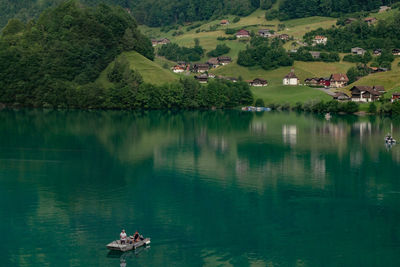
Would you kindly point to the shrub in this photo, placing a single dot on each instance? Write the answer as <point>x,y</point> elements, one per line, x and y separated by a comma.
<point>396,108</point>
<point>386,108</point>
<point>298,106</point>
<point>236,19</point>
<point>259,103</point>
<point>219,51</point>
<point>285,106</point>
<point>372,107</point>
<point>230,31</point>
<point>349,107</point>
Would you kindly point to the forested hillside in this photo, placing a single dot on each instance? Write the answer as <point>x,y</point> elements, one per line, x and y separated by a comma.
<point>150,12</point>
<point>47,61</point>
<point>290,9</point>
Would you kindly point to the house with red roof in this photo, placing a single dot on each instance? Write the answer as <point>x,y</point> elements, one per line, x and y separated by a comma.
<point>243,34</point>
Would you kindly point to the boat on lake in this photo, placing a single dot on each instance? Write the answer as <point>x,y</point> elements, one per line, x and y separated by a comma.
<point>129,245</point>
<point>390,140</point>
<point>255,109</point>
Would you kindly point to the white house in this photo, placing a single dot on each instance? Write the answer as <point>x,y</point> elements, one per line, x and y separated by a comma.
<point>178,69</point>
<point>290,79</point>
<point>319,39</point>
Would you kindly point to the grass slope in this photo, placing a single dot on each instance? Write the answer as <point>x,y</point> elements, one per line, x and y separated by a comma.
<point>275,92</point>
<point>152,72</point>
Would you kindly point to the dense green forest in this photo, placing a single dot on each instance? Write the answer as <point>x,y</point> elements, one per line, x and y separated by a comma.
<point>290,9</point>
<point>175,52</point>
<point>150,12</point>
<point>44,62</point>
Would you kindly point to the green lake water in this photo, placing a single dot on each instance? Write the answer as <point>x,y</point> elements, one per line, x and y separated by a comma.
<point>211,188</point>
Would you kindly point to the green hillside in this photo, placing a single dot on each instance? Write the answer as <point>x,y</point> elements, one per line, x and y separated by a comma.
<point>151,71</point>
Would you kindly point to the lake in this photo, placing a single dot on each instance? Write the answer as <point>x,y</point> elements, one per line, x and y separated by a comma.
<point>211,188</point>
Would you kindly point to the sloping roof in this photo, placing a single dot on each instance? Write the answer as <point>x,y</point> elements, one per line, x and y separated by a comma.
<point>260,80</point>
<point>373,90</point>
<point>318,37</point>
<point>243,32</point>
<point>340,95</point>
<point>396,94</point>
<point>224,58</point>
<point>213,61</point>
<point>224,21</point>
<point>264,31</point>
<point>291,75</point>
<point>339,77</point>
<point>369,19</point>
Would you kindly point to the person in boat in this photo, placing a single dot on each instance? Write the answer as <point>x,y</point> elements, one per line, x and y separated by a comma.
<point>136,236</point>
<point>122,236</point>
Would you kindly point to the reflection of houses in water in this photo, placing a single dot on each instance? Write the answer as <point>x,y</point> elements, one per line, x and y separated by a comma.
<point>219,143</point>
<point>318,166</point>
<point>364,128</point>
<point>241,166</point>
<point>338,131</point>
<point>355,159</point>
<point>258,127</point>
<point>289,134</point>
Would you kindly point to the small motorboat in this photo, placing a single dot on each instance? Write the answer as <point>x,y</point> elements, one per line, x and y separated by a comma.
<point>390,140</point>
<point>129,245</point>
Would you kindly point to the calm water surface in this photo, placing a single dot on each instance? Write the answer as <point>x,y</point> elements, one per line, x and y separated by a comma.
<point>210,189</point>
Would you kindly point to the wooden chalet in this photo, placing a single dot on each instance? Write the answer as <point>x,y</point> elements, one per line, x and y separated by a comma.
<point>384,9</point>
<point>224,22</point>
<point>370,20</point>
<point>224,60</point>
<point>178,68</point>
<point>243,34</point>
<point>315,54</point>
<point>338,80</point>
<point>377,52</point>
<point>203,78</point>
<point>213,62</point>
<point>258,82</point>
<point>396,52</point>
<point>340,96</point>
<point>320,39</point>
<point>266,33</point>
<point>284,37</point>
<point>361,93</point>
<point>315,81</point>
<point>163,41</point>
<point>200,67</point>
<point>358,51</point>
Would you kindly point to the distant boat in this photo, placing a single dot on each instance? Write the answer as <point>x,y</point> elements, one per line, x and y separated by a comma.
<point>390,140</point>
<point>116,245</point>
<point>255,109</point>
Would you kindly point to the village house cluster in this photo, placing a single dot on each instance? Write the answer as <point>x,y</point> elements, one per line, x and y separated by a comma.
<point>201,67</point>
<point>204,77</point>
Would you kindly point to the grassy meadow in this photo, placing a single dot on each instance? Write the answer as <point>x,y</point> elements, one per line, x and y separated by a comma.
<point>152,72</point>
